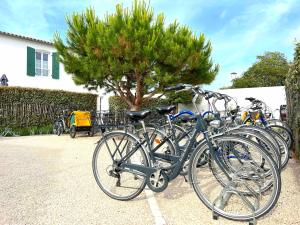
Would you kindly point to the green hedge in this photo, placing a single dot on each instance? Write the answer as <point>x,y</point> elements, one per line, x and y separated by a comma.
<point>27,107</point>
<point>25,131</point>
<point>116,103</point>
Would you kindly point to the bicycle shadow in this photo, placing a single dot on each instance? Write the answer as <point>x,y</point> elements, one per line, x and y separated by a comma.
<point>176,189</point>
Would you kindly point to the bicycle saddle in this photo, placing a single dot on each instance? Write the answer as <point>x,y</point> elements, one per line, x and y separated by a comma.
<point>165,109</point>
<point>138,115</point>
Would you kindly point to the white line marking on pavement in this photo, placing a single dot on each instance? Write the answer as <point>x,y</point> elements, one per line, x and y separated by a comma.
<point>159,219</point>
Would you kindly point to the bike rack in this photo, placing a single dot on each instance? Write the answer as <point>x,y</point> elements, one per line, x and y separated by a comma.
<point>231,189</point>
<point>7,131</point>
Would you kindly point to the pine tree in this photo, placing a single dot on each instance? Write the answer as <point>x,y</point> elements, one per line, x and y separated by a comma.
<point>133,53</point>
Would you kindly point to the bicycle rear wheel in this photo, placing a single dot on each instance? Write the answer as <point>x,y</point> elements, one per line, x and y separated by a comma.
<point>261,140</point>
<point>120,184</point>
<point>284,133</point>
<point>247,191</point>
<point>277,141</point>
<point>283,148</point>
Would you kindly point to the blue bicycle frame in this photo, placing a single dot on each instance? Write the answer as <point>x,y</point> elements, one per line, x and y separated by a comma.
<point>186,112</point>
<point>182,112</point>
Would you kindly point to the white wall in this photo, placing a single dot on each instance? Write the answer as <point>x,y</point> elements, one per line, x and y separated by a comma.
<point>13,63</point>
<point>272,96</point>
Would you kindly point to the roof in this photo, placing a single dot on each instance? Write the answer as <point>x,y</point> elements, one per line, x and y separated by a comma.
<point>26,38</point>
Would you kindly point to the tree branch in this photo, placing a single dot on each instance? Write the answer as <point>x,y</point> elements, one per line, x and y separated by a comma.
<point>122,95</point>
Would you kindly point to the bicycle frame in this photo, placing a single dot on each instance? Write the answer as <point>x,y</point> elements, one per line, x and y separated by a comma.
<point>182,112</point>
<point>178,160</point>
<point>250,119</point>
<point>187,112</point>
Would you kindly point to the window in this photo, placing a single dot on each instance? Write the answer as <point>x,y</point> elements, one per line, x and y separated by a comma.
<point>41,63</point>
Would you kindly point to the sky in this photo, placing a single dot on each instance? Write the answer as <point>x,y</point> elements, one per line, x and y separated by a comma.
<point>238,30</point>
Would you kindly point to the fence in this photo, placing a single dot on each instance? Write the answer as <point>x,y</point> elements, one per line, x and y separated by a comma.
<point>27,114</point>
<point>37,114</point>
<point>119,119</point>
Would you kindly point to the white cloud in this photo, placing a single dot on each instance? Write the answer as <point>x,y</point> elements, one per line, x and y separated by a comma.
<point>253,35</point>
<point>249,32</point>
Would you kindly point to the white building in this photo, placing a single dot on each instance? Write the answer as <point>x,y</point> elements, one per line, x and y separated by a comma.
<point>29,62</point>
<point>272,96</point>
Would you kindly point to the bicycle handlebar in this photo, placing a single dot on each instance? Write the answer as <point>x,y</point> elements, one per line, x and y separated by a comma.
<point>175,88</point>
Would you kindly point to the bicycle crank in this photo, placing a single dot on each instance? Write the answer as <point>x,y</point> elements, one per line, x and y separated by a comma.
<point>157,181</point>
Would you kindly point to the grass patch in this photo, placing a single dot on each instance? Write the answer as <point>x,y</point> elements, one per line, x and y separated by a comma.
<point>26,131</point>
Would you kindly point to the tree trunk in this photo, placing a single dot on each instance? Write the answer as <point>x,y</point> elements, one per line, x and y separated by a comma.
<point>135,108</point>
<point>138,93</point>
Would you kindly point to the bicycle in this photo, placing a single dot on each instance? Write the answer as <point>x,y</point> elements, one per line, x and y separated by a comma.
<point>62,123</point>
<point>255,115</point>
<point>134,163</point>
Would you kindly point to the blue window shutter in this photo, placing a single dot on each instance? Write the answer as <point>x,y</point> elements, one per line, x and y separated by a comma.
<point>55,66</point>
<point>30,61</point>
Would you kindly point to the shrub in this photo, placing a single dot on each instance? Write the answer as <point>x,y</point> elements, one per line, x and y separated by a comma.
<point>34,130</point>
<point>116,103</point>
<point>292,87</point>
<point>32,107</point>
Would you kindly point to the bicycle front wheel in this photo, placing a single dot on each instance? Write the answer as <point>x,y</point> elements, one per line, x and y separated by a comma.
<point>118,183</point>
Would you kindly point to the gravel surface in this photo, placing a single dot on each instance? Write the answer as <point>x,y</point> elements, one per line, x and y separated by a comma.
<point>49,180</point>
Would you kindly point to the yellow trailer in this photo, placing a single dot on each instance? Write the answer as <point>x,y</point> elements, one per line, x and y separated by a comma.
<point>81,121</point>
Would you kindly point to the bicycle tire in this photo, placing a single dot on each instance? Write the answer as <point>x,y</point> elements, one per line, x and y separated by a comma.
<point>95,166</point>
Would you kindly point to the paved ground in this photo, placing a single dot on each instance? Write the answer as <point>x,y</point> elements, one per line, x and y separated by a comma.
<point>49,180</point>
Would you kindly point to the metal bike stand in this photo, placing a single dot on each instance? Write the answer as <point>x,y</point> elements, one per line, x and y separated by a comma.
<point>7,131</point>
<point>230,189</point>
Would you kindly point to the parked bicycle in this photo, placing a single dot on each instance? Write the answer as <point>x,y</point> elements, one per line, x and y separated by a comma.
<point>234,176</point>
<point>62,123</point>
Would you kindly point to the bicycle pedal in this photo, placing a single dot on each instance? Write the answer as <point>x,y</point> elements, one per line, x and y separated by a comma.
<point>252,222</point>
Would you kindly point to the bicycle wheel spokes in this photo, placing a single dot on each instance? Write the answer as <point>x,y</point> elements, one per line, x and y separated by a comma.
<point>247,187</point>
<point>121,184</point>
<point>181,135</point>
